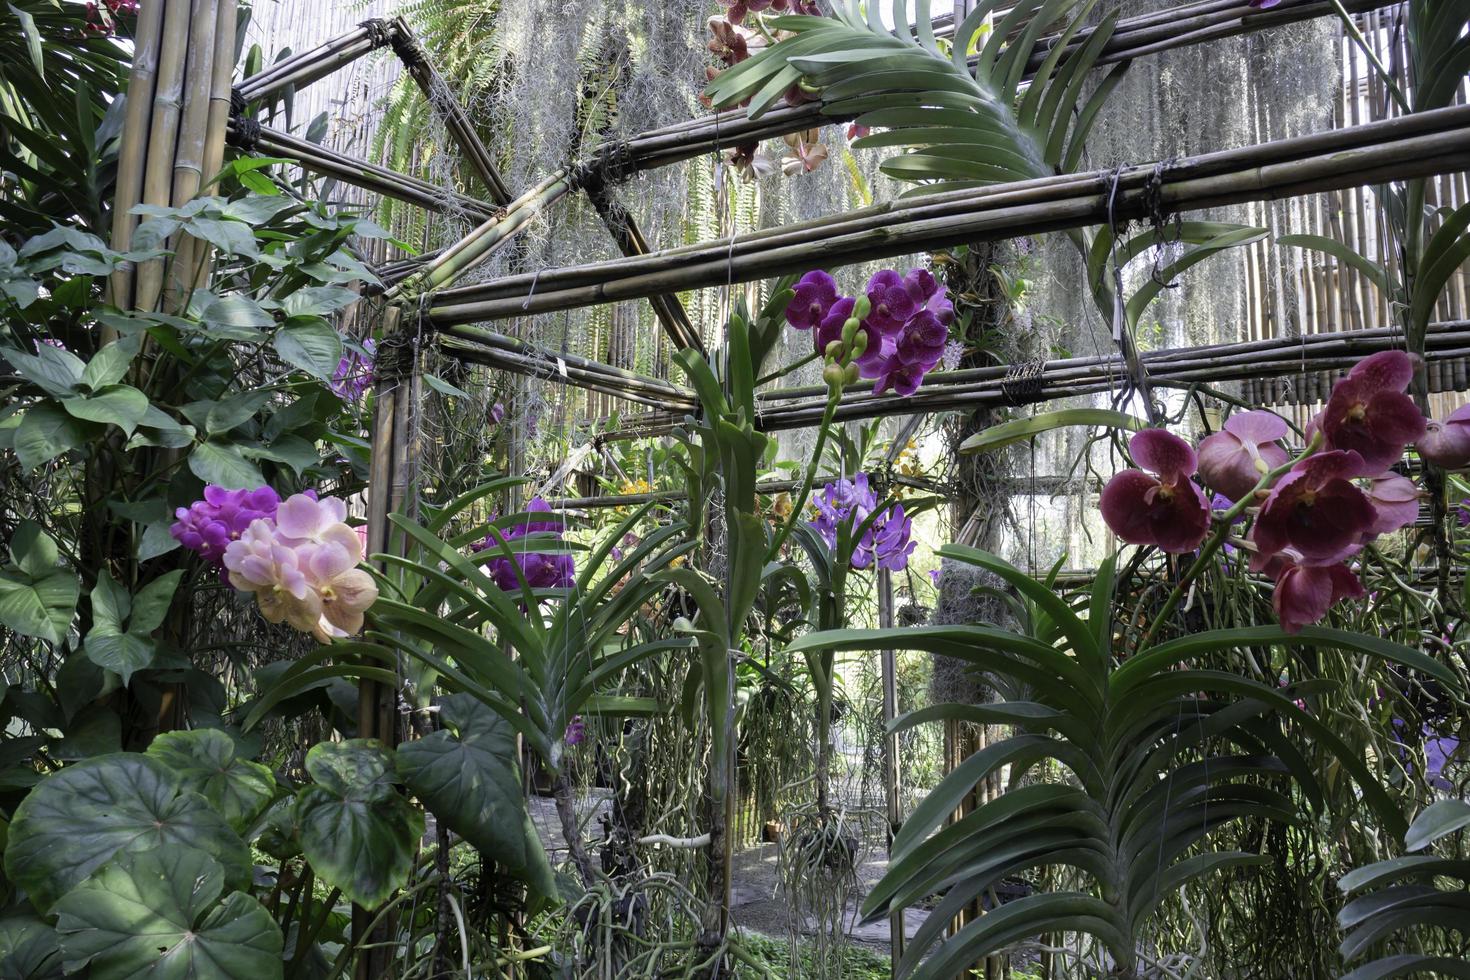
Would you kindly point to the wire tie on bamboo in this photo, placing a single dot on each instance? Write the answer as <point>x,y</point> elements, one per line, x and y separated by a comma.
<point>380,33</point>
<point>407,48</point>
<point>1153,200</point>
<point>1022,383</point>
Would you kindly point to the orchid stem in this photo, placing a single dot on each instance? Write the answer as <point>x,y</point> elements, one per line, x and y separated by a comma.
<point>833,398</point>
<point>774,375</point>
<point>1222,532</point>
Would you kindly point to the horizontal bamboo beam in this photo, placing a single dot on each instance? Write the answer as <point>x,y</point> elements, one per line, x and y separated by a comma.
<point>317,63</point>
<point>1417,145</point>
<point>506,353</point>
<point>381,180</point>
<point>990,387</point>
<point>766,487</point>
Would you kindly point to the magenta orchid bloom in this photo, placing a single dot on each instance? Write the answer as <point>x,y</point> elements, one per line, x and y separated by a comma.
<point>830,328</point>
<point>1368,412</point>
<point>1233,460</point>
<point>1304,593</point>
<point>922,340</point>
<point>1163,506</point>
<point>1395,500</point>
<point>929,295</point>
<point>892,304</point>
<point>1316,510</point>
<point>208,526</point>
<point>816,292</point>
<point>1447,443</point>
<point>903,378</point>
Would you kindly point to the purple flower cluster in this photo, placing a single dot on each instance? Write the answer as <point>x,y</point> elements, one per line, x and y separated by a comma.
<point>354,374</point>
<point>208,526</point>
<point>542,571</point>
<point>576,730</point>
<point>885,543</point>
<point>905,329</point>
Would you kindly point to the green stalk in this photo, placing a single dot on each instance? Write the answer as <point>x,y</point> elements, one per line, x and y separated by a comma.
<point>1218,539</point>
<point>775,375</point>
<point>833,398</point>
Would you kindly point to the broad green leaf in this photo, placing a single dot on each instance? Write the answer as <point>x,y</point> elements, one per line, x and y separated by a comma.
<point>110,364</point>
<point>221,463</point>
<point>122,653</point>
<point>444,387</point>
<point>357,830</point>
<point>57,372</point>
<point>79,817</point>
<point>317,301</point>
<point>1017,430</point>
<point>29,949</point>
<point>468,775</point>
<point>159,915</point>
<point>120,405</point>
<point>156,540</point>
<point>232,237</point>
<point>33,550</point>
<point>205,760</point>
<point>151,603</point>
<point>38,606</point>
<point>313,346</point>
<point>236,317</point>
<point>46,431</point>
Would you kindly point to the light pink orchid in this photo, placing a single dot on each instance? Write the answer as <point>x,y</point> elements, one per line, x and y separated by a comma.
<point>1233,460</point>
<point>1395,500</point>
<point>346,591</point>
<point>259,562</point>
<point>1163,506</point>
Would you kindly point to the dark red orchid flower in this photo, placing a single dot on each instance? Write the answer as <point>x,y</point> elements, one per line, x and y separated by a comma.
<point>1163,506</point>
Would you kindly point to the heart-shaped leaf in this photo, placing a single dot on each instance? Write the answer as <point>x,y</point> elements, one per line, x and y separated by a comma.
<point>221,463</point>
<point>469,777</point>
<point>158,914</point>
<point>311,345</point>
<point>78,818</point>
<point>110,364</point>
<point>120,405</point>
<point>206,762</point>
<point>45,432</point>
<point>357,831</point>
<point>38,606</point>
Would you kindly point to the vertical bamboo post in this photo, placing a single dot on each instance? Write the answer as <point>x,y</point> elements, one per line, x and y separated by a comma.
<point>133,152</point>
<point>391,474</point>
<point>193,136</point>
<point>163,135</point>
<point>891,773</point>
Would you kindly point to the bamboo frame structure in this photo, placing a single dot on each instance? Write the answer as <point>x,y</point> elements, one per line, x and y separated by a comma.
<point>1416,145</point>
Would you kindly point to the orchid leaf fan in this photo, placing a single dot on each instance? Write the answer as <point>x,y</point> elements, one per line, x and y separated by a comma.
<point>962,122</point>
<point>1155,756</point>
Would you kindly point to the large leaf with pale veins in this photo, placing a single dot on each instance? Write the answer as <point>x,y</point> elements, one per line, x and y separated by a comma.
<point>205,760</point>
<point>468,776</point>
<point>357,830</point>
<point>158,915</point>
<point>29,950</point>
<point>77,819</point>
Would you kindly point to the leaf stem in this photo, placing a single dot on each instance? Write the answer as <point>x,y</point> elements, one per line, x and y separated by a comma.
<point>833,398</point>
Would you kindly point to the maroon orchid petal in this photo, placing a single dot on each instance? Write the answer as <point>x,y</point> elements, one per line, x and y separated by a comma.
<point>1162,452</point>
<point>1396,500</point>
<point>1369,413</point>
<point>1233,460</point>
<point>1316,510</point>
<point>1447,443</point>
<point>1142,510</point>
<point>1303,594</point>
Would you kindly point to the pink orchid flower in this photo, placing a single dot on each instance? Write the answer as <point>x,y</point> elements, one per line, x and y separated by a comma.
<point>260,563</point>
<point>1316,510</point>
<point>816,292</point>
<point>1368,412</point>
<point>1163,506</point>
<point>1233,460</point>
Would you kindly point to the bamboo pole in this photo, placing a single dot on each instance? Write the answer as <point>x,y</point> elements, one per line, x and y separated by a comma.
<point>390,489</point>
<point>986,387</point>
<point>188,164</point>
<point>357,172</point>
<point>415,60</point>
<point>163,135</point>
<point>219,102</point>
<point>309,66</point>
<point>1409,146</point>
<point>134,149</point>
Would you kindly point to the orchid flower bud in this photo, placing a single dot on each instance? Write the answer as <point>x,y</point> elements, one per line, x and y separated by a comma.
<point>834,350</point>
<point>862,307</point>
<point>849,330</point>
